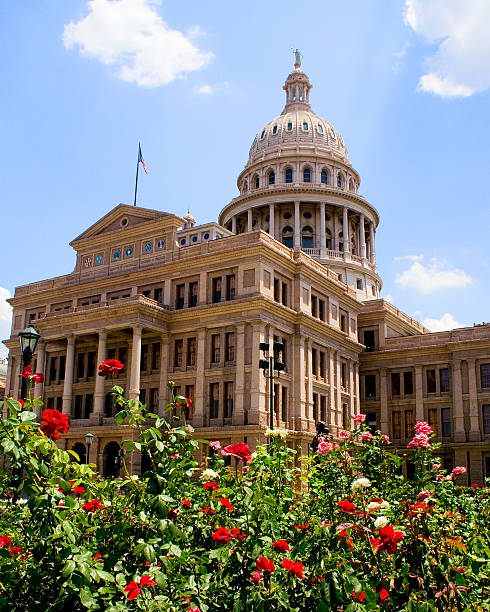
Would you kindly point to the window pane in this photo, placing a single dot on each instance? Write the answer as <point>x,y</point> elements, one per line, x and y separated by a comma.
<point>444,380</point>
<point>431,381</point>
<point>485,375</point>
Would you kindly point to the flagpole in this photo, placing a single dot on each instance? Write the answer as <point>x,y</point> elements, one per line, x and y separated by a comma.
<point>136,184</point>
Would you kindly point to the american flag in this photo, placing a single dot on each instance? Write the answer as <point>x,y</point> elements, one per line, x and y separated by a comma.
<point>140,159</point>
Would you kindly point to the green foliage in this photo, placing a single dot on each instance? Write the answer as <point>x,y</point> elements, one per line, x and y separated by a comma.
<point>86,557</point>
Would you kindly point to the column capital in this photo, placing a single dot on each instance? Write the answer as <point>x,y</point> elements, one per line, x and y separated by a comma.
<point>102,333</point>
<point>471,362</point>
<point>71,339</point>
<point>137,328</point>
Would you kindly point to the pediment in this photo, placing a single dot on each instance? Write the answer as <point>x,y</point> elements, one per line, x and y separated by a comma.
<point>122,217</point>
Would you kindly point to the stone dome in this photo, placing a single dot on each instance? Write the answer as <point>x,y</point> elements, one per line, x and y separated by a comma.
<point>297,125</point>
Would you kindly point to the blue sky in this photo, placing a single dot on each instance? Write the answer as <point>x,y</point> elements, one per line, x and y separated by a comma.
<point>406,83</point>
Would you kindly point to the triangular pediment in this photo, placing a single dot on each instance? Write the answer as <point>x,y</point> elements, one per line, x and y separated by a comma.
<point>123,217</point>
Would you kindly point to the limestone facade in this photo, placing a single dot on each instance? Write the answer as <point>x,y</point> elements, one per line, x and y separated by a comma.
<point>292,259</point>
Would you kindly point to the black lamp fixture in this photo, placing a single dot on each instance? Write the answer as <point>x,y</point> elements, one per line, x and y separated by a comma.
<point>89,438</point>
<point>271,363</point>
<point>28,342</point>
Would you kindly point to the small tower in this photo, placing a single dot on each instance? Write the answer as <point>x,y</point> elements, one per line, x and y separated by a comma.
<point>189,221</point>
<point>297,88</point>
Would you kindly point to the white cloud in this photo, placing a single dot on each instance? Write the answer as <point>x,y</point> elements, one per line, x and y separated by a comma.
<point>388,298</point>
<point>447,321</point>
<point>5,319</point>
<point>431,277</point>
<point>205,89</point>
<point>131,36</point>
<point>460,66</point>
<point>408,257</point>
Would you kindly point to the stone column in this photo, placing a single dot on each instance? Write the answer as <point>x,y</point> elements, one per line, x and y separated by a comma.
<point>335,231</point>
<point>331,380</point>
<point>203,288</point>
<point>339,393</point>
<point>458,413</point>
<point>309,381</point>
<point>352,406</point>
<point>249,220</point>
<point>199,414</point>
<point>69,367</point>
<point>383,400</point>
<point>362,237</point>
<point>300,381</point>
<point>238,410</point>
<point>419,395</point>
<point>99,392</point>
<point>134,384</point>
<point>297,226</point>
<point>358,389</point>
<point>257,415</point>
<point>474,433</point>
<point>272,212</point>
<point>167,292</point>
<point>162,386</point>
<point>233,224</point>
<point>323,235</point>
<point>345,230</point>
<point>372,243</point>
<point>41,366</point>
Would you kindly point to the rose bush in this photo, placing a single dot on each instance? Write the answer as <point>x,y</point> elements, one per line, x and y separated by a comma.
<point>339,531</point>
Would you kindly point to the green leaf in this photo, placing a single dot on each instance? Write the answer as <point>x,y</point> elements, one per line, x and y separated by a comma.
<point>121,417</point>
<point>86,598</point>
<point>105,575</point>
<point>68,568</point>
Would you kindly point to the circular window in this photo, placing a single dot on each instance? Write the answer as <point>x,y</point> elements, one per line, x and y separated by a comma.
<point>327,217</point>
<point>116,254</point>
<point>206,236</point>
<point>194,238</point>
<point>161,244</point>
<point>99,259</point>
<point>307,215</point>
<point>124,221</point>
<point>288,215</point>
<point>148,247</point>
<point>182,242</point>
<point>320,128</point>
<point>128,251</point>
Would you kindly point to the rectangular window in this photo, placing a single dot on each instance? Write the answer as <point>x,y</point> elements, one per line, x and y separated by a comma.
<point>213,400</point>
<point>321,309</point>
<point>486,419</point>
<point>91,364</point>
<point>359,283</point>
<point>370,386</point>
<point>432,419</point>
<point>191,352</point>
<point>189,393</point>
<point>343,321</point>
<point>81,365</point>
<point>78,406</point>
<point>485,375</point>
<point>284,294</point>
<point>108,405</point>
<point>276,399</point>
<point>408,383</point>
<point>144,357</point>
<point>228,400</point>
<point>153,399</point>
<point>217,289</point>
<point>323,368</point>
<point>158,295</point>
<point>396,424</point>
<point>314,306</point>
<point>147,293</point>
<point>215,348</point>
<point>314,362</point>
<point>395,384</point>
<point>343,375</point>
<point>123,355</point>
<point>371,421</point>
<point>50,404</point>
<point>323,408</point>
<point>345,416</point>
<point>277,290</point>
<point>193,287</point>
<point>179,297</point>
<point>62,367</point>
<point>89,404</point>
<point>369,340</point>
<point>446,422</point>
<point>409,423</point>
<point>111,353</point>
<point>230,286</point>
<point>431,381</point>
<point>444,380</point>
<point>142,396</point>
<point>178,349</point>
<point>155,356</point>
<point>315,407</point>
<point>284,404</point>
<point>230,346</point>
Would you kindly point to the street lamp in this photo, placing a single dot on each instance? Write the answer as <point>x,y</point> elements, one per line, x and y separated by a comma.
<point>28,342</point>
<point>271,363</point>
<point>89,438</point>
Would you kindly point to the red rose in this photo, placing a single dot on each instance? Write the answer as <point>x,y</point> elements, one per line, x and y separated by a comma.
<point>54,422</point>
<point>38,377</point>
<point>384,594</point>
<point>109,367</point>
<point>133,590</point>
<point>239,450</point>
<point>21,402</point>
<point>295,567</point>
<point>281,546</point>
<point>302,527</point>
<point>26,372</point>
<point>98,557</point>
<point>186,503</point>
<point>16,550</point>
<point>5,541</point>
<point>346,506</point>
<point>267,565</point>
<point>222,534</point>
<point>208,510</point>
<point>78,490</point>
<point>185,402</point>
<point>236,534</point>
<point>90,506</point>
<point>256,576</point>
<point>347,540</point>
<point>146,581</point>
<point>360,597</point>
<point>226,503</point>
<point>210,486</point>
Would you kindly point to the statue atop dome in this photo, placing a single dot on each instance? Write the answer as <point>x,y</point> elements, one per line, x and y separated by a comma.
<point>297,57</point>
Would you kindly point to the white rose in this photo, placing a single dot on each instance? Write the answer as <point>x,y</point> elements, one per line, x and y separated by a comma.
<point>209,474</point>
<point>361,483</point>
<point>381,522</point>
<point>384,505</point>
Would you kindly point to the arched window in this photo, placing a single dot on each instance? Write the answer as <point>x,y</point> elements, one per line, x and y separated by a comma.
<point>328,238</point>
<point>272,177</point>
<point>305,126</point>
<point>339,180</point>
<point>256,181</point>
<point>290,126</point>
<point>351,185</point>
<point>341,241</point>
<point>274,129</point>
<point>287,236</point>
<point>289,175</point>
<point>245,186</point>
<point>320,128</point>
<point>112,460</point>
<point>307,237</point>
<point>80,449</point>
<point>324,177</point>
<point>263,134</point>
<point>306,175</point>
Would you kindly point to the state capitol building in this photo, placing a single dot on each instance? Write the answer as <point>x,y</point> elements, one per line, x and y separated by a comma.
<point>292,259</point>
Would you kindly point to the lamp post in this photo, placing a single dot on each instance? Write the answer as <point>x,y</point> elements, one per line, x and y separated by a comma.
<point>28,342</point>
<point>89,438</point>
<point>271,363</point>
